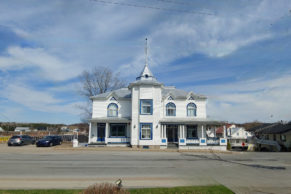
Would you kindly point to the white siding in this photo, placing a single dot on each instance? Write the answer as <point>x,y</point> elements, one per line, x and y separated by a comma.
<point>134,117</point>
<point>181,108</point>
<point>146,92</point>
<point>100,108</point>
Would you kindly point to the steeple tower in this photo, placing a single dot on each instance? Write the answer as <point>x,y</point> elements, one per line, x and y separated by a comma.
<point>146,73</point>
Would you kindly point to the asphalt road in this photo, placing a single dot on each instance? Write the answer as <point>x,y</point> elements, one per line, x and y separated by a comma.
<point>29,167</point>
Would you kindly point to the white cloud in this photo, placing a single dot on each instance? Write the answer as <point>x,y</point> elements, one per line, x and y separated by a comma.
<point>264,100</point>
<point>47,65</point>
<point>38,100</point>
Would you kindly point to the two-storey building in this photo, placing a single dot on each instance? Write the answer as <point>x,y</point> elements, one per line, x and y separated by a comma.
<point>148,114</point>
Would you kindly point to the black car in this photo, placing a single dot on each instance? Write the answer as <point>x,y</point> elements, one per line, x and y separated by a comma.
<point>20,140</point>
<point>49,141</point>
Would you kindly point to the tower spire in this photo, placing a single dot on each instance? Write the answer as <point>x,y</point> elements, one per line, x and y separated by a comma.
<point>146,73</point>
<point>146,51</point>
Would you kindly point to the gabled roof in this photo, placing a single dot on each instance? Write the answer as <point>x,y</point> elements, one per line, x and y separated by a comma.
<point>179,94</point>
<point>253,129</point>
<point>219,130</point>
<point>124,93</point>
<point>276,128</point>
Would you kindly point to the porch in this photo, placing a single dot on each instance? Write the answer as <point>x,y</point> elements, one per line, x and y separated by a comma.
<point>109,132</point>
<point>191,135</point>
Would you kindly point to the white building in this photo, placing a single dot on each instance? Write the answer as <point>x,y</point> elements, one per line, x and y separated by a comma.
<point>238,137</point>
<point>22,129</point>
<point>148,114</point>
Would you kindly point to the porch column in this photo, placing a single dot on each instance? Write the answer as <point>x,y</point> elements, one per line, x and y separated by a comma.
<point>165,131</point>
<point>215,131</point>
<point>106,131</point>
<point>181,131</point>
<point>202,130</point>
<point>89,139</point>
<point>224,131</point>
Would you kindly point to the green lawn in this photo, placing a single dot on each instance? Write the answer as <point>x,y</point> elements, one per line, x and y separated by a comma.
<point>174,190</point>
<point>193,189</point>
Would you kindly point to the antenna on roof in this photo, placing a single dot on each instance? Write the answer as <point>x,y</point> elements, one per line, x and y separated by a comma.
<point>146,51</point>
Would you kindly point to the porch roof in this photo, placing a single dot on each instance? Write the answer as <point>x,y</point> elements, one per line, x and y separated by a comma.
<point>111,120</point>
<point>189,121</point>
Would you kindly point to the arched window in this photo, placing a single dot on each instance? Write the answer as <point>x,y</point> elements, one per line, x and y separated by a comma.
<point>171,109</point>
<point>191,110</point>
<point>112,110</point>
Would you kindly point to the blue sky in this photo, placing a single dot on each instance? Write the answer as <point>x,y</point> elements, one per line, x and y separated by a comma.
<point>235,52</point>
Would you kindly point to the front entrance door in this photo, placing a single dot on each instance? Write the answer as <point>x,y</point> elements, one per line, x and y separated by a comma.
<point>172,133</point>
<point>101,132</point>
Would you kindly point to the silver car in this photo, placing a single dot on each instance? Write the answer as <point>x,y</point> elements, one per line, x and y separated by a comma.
<point>20,140</point>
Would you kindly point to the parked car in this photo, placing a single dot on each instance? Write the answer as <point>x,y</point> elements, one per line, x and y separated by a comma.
<point>20,140</point>
<point>49,141</point>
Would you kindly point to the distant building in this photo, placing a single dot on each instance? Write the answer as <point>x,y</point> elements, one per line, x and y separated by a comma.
<point>276,132</point>
<point>65,129</point>
<point>1,130</point>
<point>238,137</point>
<point>22,129</point>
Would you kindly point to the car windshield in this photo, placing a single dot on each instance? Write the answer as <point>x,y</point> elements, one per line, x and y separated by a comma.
<point>14,137</point>
<point>48,137</point>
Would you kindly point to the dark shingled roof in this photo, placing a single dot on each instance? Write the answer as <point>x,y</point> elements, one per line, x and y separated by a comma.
<point>253,129</point>
<point>120,93</point>
<point>275,128</point>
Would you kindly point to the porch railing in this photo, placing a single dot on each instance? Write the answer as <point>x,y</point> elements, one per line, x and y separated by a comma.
<point>117,140</point>
<point>192,141</point>
<point>212,141</point>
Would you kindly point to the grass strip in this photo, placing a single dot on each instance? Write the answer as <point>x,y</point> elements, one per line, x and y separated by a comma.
<point>213,189</point>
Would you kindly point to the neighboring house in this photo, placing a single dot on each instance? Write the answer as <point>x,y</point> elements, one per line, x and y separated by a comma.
<point>148,114</point>
<point>222,130</point>
<point>22,129</point>
<point>65,129</point>
<point>274,132</point>
<point>238,137</point>
<point>1,130</point>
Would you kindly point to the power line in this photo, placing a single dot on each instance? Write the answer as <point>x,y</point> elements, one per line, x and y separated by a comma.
<point>181,3</point>
<point>151,7</point>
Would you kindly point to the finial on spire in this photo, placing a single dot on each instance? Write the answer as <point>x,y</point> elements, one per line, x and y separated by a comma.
<point>146,51</point>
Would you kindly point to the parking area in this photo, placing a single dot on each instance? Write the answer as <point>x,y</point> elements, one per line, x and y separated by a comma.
<point>65,167</point>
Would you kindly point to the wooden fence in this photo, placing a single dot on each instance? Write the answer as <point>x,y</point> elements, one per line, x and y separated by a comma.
<point>82,138</point>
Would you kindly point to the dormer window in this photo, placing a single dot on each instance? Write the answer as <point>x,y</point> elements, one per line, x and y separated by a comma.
<point>171,109</point>
<point>191,110</point>
<point>191,98</point>
<point>146,76</point>
<point>112,110</point>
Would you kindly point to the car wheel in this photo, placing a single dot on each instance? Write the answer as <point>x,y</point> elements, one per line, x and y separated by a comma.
<point>51,144</point>
<point>9,144</point>
<point>60,143</point>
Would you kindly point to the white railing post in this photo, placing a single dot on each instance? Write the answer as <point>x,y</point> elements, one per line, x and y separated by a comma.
<point>90,132</point>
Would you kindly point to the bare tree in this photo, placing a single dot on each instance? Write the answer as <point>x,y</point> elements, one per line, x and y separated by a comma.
<point>97,81</point>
